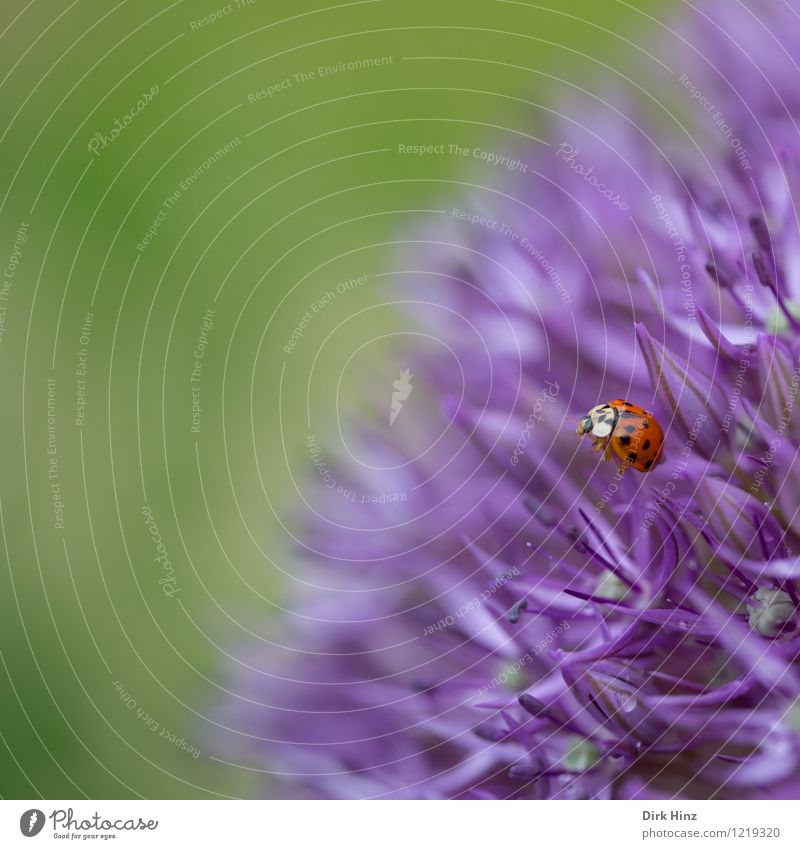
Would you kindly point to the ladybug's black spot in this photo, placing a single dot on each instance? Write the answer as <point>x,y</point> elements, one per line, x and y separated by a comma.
<point>646,445</point>
<point>632,457</point>
<point>630,428</point>
<point>648,465</point>
<point>645,424</point>
<point>625,440</point>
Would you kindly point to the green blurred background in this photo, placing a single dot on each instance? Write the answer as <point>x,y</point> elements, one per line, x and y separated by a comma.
<point>113,660</point>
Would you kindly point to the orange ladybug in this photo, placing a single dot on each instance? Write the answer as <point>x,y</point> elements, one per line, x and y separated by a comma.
<point>628,431</point>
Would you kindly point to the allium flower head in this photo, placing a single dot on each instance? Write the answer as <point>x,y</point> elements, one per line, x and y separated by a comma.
<point>527,622</point>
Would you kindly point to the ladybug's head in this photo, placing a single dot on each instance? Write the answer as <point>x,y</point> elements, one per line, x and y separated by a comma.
<point>585,425</point>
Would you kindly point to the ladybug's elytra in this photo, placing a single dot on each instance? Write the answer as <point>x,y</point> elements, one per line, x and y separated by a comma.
<point>627,430</point>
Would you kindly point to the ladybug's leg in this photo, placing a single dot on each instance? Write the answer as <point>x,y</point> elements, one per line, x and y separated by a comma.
<point>600,444</point>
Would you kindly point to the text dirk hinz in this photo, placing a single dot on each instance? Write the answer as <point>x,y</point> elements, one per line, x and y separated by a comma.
<point>673,815</point>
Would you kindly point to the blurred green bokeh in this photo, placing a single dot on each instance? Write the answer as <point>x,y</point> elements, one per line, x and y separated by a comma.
<point>99,356</point>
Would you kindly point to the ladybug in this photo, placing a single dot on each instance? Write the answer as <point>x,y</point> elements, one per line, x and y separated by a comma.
<point>627,430</point>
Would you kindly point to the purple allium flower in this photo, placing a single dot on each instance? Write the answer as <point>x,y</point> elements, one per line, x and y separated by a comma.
<point>506,615</point>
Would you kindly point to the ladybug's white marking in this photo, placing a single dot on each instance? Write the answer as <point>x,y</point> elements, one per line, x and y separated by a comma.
<point>602,418</point>
<point>602,429</point>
